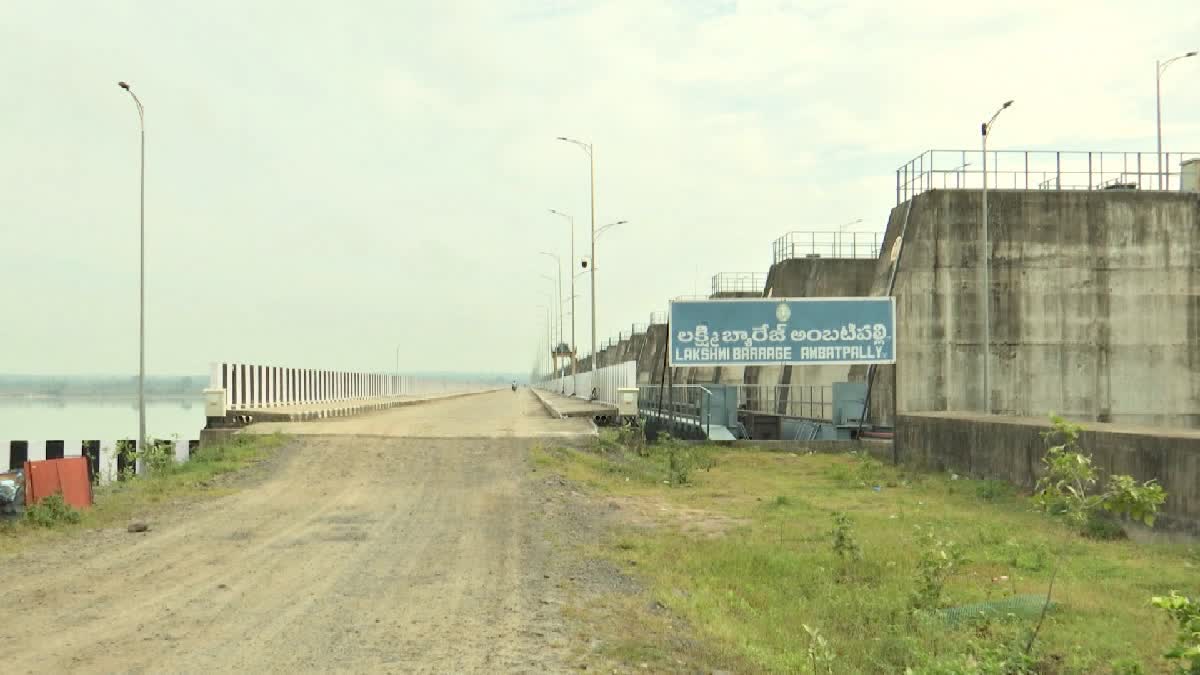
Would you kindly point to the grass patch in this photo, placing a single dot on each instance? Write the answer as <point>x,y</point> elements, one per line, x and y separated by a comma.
<point>874,588</point>
<point>118,501</point>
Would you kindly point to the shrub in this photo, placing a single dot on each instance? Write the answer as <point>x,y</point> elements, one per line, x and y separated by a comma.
<point>633,438</point>
<point>844,543</point>
<point>869,471</point>
<point>1068,488</point>
<point>939,560</point>
<point>820,655</point>
<point>1186,613</point>
<point>51,511</point>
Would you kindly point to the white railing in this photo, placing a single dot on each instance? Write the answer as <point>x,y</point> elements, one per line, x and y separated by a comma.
<point>104,454</point>
<point>254,387</point>
<point>605,382</point>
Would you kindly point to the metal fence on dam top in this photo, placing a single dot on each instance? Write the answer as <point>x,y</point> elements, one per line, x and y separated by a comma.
<point>1044,170</point>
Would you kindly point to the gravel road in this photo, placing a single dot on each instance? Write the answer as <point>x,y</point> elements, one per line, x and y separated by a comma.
<point>350,553</point>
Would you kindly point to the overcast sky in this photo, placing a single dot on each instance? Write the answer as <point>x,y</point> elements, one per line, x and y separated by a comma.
<point>326,181</point>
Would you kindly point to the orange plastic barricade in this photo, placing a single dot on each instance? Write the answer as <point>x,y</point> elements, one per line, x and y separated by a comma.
<point>68,476</point>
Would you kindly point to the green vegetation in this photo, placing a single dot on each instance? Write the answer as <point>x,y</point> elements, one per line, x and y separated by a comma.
<point>163,481</point>
<point>1186,613</point>
<point>1068,488</point>
<point>921,573</point>
<point>50,512</point>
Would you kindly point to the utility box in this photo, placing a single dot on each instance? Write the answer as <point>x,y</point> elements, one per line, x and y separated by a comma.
<point>1189,176</point>
<point>214,402</point>
<point>849,401</point>
<point>627,401</point>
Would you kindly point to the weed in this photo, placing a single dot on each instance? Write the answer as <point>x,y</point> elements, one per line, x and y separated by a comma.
<point>863,471</point>
<point>839,473</point>
<point>1126,666</point>
<point>633,438</point>
<point>844,544</point>
<point>678,465</point>
<point>820,654</point>
<point>51,511</point>
<point>1004,656</point>
<point>682,460</point>
<point>158,456</point>
<point>991,490</point>
<point>1186,613</point>
<point>781,501</point>
<point>868,471</point>
<point>938,561</point>
<point>1103,526</point>
<point>1027,557</point>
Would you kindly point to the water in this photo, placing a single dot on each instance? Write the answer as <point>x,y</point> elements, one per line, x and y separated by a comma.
<point>98,419</point>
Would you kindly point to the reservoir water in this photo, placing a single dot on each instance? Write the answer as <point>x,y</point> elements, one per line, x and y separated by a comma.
<point>64,418</point>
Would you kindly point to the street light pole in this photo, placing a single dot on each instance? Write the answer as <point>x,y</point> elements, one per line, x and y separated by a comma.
<point>986,265</point>
<point>550,338</point>
<point>558,285</point>
<point>596,235</point>
<point>574,348</point>
<point>141,273</point>
<point>558,301</point>
<point>1159,69</point>
<point>590,150</point>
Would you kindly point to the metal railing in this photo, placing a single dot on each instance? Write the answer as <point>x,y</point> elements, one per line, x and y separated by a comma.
<point>678,401</point>
<point>658,318</point>
<point>1039,170</point>
<point>739,282</point>
<point>813,402</point>
<point>827,244</point>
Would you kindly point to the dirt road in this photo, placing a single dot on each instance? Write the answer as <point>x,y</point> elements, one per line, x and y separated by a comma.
<point>353,554</point>
<point>502,414</point>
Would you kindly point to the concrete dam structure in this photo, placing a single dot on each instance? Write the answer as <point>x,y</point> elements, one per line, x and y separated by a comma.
<point>1094,303</point>
<point>1094,299</point>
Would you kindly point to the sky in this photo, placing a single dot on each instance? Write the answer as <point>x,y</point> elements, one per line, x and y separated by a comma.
<point>330,184</point>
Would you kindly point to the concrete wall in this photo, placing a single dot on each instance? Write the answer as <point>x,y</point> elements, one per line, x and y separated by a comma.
<point>812,278</point>
<point>1011,449</point>
<point>1095,304</point>
<point>650,358</point>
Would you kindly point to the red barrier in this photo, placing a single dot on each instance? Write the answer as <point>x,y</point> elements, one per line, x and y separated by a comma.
<point>68,476</point>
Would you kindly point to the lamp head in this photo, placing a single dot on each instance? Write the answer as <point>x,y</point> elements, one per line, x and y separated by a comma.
<point>1190,54</point>
<point>1007,103</point>
<point>123,85</point>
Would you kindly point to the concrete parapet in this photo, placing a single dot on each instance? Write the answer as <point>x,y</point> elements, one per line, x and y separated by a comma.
<point>1011,449</point>
<point>550,410</point>
<point>240,418</point>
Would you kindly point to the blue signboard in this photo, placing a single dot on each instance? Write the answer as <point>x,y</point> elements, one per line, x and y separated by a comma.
<point>791,331</point>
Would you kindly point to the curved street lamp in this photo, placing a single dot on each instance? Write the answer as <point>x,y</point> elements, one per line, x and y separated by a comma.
<point>571,224</point>
<point>141,273</point>
<point>1160,67</point>
<point>591,153</point>
<point>987,262</point>
<point>604,228</point>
